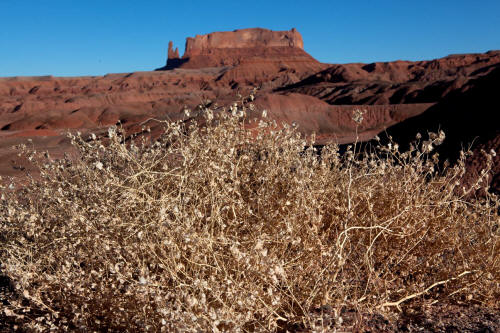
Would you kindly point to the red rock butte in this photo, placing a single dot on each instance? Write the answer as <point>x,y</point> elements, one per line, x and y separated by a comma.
<point>231,48</point>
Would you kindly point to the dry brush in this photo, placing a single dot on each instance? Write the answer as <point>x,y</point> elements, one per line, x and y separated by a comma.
<point>234,225</point>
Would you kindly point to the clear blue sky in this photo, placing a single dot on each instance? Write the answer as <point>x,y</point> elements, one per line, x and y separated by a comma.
<point>87,37</point>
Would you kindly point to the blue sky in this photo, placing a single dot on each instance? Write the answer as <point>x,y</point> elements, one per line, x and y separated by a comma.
<point>70,37</point>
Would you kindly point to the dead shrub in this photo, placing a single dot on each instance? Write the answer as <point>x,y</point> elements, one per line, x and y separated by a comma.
<point>221,227</point>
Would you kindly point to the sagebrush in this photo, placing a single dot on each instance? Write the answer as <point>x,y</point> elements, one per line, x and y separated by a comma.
<point>241,225</point>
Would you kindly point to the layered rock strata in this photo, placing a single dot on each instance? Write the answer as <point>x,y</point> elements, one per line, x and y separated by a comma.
<point>231,48</point>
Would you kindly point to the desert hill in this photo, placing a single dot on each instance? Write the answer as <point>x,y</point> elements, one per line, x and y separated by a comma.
<point>454,93</point>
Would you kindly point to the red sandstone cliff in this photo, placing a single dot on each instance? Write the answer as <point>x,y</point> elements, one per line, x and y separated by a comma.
<point>230,48</point>
<point>240,39</point>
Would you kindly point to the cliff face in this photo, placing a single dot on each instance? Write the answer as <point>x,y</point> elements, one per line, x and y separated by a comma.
<point>240,39</point>
<point>230,48</point>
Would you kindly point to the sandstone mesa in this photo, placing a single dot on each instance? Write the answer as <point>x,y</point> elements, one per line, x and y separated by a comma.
<point>231,48</point>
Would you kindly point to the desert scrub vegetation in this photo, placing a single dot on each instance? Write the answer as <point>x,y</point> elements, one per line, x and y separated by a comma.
<point>231,224</point>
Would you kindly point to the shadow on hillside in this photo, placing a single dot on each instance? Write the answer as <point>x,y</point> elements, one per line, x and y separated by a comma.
<point>470,115</point>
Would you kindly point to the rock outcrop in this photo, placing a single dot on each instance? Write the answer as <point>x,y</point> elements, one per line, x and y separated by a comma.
<point>172,54</point>
<point>231,48</point>
<point>241,39</point>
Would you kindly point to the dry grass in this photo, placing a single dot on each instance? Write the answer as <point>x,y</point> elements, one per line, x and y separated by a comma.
<point>219,227</point>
